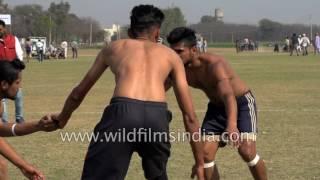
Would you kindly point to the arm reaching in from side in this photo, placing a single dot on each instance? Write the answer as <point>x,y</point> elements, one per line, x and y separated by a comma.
<point>13,129</point>
<point>225,92</point>
<point>28,170</point>
<point>80,91</point>
<point>181,90</point>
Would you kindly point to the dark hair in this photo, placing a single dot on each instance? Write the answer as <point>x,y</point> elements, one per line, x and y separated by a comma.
<point>2,23</point>
<point>143,17</point>
<point>9,70</point>
<point>182,34</point>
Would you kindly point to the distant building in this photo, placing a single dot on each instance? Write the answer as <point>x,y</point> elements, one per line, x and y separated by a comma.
<point>111,32</point>
<point>218,14</point>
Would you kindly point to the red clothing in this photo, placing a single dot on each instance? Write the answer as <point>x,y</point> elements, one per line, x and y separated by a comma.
<point>8,48</point>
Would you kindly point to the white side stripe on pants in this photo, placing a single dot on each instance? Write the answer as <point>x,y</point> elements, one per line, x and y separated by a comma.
<point>252,112</point>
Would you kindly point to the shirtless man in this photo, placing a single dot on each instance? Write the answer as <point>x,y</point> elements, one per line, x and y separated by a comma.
<point>231,110</point>
<point>140,66</point>
<point>10,78</point>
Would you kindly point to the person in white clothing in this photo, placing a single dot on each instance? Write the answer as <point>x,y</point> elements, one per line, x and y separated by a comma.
<point>305,42</point>
<point>40,50</point>
<point>64,45</point>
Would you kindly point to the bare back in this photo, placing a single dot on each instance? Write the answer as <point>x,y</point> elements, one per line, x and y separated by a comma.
<point>140,68</point>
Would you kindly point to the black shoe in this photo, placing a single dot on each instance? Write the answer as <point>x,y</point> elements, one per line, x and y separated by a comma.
<point>20,120</point>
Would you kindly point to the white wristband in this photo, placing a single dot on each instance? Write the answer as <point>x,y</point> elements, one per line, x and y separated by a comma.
<point>12,129</point>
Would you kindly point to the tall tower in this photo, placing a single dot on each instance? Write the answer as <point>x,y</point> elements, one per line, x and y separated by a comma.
<point>218,14</point>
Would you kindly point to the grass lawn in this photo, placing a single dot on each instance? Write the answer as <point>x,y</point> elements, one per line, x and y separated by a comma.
<point>287,90</point>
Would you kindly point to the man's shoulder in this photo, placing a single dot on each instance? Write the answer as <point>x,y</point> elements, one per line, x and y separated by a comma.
<point>165,49</point>
<point>119,43</point>
<point>214,63</point>
<point>211,58</point>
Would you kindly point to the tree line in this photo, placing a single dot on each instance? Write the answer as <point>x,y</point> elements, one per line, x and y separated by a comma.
<point>266,30</point>
<point>58,24</point>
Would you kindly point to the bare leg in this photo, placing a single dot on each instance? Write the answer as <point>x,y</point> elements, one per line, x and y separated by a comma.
<point>210,150</point>
<point>247,151</point>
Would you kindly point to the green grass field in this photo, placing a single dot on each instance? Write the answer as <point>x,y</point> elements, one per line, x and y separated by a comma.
<point>287,90</point>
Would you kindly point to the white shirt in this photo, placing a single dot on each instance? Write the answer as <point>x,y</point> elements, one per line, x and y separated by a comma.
<point>19,50</point>
<point>64,44</point>
<point>39,45</point>
<point>305,41</point>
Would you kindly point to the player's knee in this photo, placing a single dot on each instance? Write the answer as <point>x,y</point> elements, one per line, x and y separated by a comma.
<point>208,155</point>
<point>247,153</point>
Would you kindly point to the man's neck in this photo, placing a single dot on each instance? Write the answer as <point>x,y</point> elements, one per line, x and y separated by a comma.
<point>146,38</point>
<point>142,38</point>
<point>196,63</point>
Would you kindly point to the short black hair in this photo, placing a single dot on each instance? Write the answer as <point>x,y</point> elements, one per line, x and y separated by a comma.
<point>143,17</point>
<point>9,70</point>
<point>2,23</point>
<point>182,34</point>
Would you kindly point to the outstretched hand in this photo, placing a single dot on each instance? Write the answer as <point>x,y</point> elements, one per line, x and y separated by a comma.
<point>32,173</point>
<point>48,124</point>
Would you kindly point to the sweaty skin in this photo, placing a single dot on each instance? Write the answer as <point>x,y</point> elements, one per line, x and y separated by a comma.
<point>140,68</point>
<point>211,74</point>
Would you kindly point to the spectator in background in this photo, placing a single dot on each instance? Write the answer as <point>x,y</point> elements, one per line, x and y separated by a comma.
<point>246,44</point>
<point>74,48</point>
<point>256,45</point>
<point>286,44</point>
<point>40,50</point>
<point>317,44</point>
<point>305,43</point>
<point>299,43</point>
<point>28,47</point>
<point>64,46</point>
<point>10,49</point>
<point>204,46</point>
<point>237,43</point>
<point>276,48</point>
<point>199,44</point>
<point>294,44</point>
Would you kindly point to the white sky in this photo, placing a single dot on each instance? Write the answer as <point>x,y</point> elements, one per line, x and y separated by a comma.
<point>108,12</point>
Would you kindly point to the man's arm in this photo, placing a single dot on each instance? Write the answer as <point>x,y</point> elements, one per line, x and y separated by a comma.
<point>80,91</point>
<point>8,152</point>
<point>19,50</point>
<point>225,92</point>
<point>11,129</point>
<point>183,96</point>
